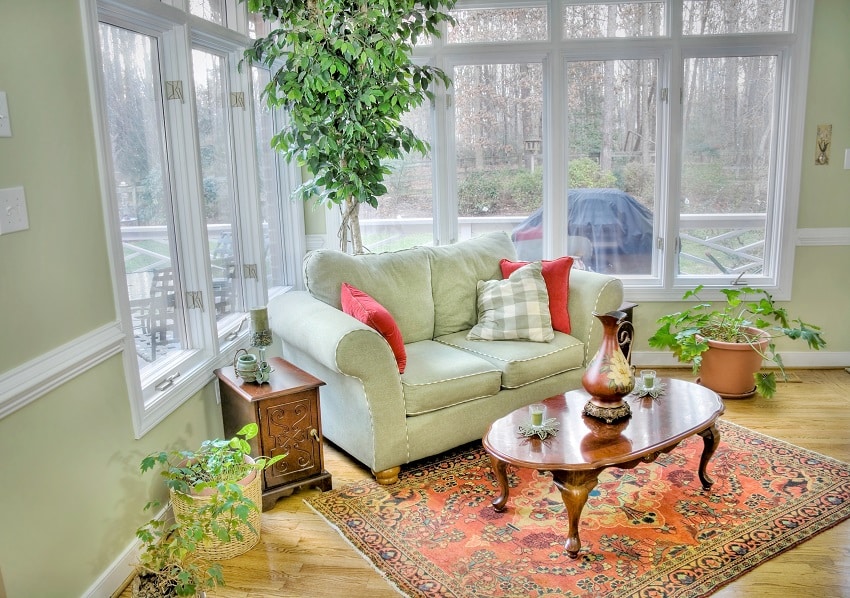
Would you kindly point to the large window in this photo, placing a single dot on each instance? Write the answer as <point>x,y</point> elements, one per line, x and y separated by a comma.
<point>657,140</point>
<point>198,201</point>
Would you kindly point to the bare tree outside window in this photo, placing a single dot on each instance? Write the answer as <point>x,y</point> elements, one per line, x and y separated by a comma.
<point>713,17</point>
<point>635,19</point>
<point>726,169</point>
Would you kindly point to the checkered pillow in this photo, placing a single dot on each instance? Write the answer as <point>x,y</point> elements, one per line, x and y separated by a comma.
<point>516,308</point>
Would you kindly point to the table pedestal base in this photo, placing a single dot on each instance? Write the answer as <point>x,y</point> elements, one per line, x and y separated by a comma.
<point>608,414</point>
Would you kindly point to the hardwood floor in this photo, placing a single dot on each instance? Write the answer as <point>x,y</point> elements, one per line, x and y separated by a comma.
<point>300,555</point>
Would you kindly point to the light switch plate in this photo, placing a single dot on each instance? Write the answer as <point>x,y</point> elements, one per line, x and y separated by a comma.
<point>13,210</point>
<point>5,123</point>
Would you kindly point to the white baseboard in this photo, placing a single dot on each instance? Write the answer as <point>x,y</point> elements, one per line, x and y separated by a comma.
<point>791,359</point>
<point>113,581</point>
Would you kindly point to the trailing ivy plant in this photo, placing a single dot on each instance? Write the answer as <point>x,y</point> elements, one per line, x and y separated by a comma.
<point>346,79</point>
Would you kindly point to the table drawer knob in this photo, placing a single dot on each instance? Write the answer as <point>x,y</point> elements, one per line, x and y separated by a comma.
<point>314,434</point>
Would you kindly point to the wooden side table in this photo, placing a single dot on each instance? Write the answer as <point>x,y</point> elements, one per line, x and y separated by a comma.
<point>286,409</point>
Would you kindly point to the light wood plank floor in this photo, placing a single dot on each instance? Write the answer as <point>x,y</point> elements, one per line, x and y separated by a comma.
<point>300,555</point>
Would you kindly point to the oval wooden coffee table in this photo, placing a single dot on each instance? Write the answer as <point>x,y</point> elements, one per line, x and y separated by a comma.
<point>585,446</point>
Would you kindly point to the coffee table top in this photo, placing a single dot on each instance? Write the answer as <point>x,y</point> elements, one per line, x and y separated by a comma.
<point>586,443</point>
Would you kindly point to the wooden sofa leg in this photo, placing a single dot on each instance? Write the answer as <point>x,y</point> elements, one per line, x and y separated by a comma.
<point>387,476</point>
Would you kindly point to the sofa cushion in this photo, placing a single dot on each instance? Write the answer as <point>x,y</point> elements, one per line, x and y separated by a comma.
<point>556,273</point>
<point>516,308</point>
<point>438,376</point>
<point>521,362</point>
<point>398,280</point>
<point>455,272</point>
<point>358,304</point>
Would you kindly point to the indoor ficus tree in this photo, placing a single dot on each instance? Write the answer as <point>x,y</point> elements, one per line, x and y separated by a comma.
<point>343,71</point>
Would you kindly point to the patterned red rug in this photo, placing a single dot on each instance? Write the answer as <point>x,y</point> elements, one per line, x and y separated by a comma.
<point>649,531</point>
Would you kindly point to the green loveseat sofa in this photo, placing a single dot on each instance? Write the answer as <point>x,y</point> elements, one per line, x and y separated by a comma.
<point>452,388</point>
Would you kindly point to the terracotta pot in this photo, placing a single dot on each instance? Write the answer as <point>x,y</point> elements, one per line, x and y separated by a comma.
<point>729,368</point>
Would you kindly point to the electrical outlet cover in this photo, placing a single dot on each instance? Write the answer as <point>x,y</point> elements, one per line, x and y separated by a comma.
<point>13,210</point>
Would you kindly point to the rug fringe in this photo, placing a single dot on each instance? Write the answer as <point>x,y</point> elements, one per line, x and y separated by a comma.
<point>389,581</point>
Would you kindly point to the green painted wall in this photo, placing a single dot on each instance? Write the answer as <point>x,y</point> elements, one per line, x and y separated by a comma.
<point>72,495</point>
<point>72,492</point>
<point>52,156</point>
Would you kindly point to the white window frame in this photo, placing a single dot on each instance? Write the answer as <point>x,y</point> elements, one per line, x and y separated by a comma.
<point>670,49</point>
<point>211,346</point>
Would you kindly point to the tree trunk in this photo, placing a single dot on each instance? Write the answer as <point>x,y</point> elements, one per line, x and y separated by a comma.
<point>349,229</point>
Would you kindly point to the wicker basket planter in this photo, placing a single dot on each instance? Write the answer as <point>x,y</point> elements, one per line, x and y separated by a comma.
<point>186,505</point>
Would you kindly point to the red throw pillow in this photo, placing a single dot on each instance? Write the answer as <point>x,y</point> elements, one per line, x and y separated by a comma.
<point>556,274</point>
<point>359,305</point>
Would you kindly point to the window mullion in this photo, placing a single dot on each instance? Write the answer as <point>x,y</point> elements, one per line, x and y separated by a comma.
<point>187,190</point>
<point>249,221</point>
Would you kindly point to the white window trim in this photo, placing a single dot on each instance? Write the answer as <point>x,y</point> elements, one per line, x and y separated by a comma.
<point>664,284</point>
<point>192,369</point>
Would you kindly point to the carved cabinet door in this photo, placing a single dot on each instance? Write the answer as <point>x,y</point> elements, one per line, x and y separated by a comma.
<point>291,425</point>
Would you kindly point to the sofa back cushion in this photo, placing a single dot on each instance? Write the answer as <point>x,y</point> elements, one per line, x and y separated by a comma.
<point>400,281</point>
<point>455,272</point>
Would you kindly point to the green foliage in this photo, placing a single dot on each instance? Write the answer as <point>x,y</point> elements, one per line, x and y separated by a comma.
<point>686,332</point>
<point>169,549</point>
<point>500,191</point>
<point>585,172</point>
<point>347,78</point>
<point>479,193</point>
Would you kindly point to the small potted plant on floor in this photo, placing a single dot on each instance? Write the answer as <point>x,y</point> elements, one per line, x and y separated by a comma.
<point>169,565</point>
<point>214,494</point>
<point>727,344</point>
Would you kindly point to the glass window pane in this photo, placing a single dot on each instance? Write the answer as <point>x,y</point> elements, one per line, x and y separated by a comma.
<point>728,114</point>
<point>499,141</point>
<point>213,107</point>
<point>627,19</point>
<point>711,17</point>
<point>211,10</point>
<point>612,127</point>
<point>269,179</point>
<point>498,25</point>
<point>405,213</point>
<point>140,186</point>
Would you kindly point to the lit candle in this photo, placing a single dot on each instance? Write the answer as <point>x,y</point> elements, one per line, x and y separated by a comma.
<point>259,319</point>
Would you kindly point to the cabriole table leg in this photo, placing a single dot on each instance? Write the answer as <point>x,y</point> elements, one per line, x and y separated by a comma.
<point>500,471</point>
<point>710,439</point>
<point>575,486</point>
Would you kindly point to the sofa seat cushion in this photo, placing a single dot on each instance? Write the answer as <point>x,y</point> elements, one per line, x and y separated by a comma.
<point>522,362</point>
<point>439,375</point>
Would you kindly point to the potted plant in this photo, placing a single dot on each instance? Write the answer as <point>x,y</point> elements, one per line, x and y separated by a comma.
<point>345,74</point>
<point>744,327</point>
<point>169,565</point>
<point>214,494</point>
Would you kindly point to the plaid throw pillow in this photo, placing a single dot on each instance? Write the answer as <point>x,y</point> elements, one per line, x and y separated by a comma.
<point>516,308</point>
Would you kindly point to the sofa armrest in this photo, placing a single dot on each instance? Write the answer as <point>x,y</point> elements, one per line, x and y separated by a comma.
<point>591,292</point>
<point>363,398</point>
<point>330,336</point>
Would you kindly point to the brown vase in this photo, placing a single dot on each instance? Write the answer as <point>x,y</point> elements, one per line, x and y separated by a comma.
<point>608,377</point>
<point>729,368</point>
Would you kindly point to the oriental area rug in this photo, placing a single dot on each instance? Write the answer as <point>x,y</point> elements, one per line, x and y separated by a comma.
<point>648,531</point>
